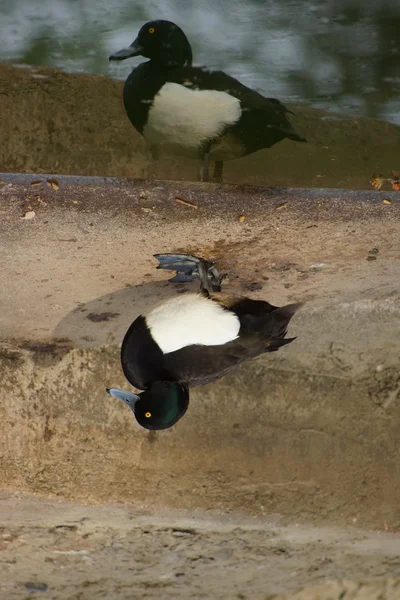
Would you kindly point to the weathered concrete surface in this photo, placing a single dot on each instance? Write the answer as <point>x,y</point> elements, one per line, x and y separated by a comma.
<point>125,552</point>
<point>312,432</point>
<point>51,121</point>
<point>380,589</point>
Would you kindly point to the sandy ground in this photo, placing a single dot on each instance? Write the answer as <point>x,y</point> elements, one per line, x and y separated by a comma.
<point>53,549</point>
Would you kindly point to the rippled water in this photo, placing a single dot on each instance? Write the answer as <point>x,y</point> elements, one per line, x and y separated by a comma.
<point>335,54</point>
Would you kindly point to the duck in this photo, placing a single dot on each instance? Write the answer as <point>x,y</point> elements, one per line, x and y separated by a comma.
<point>193,339</point>
<point>190,111</point>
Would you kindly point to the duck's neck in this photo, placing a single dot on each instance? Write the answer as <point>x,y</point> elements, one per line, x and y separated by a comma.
<point>162,65</point>
<point>173,58</point>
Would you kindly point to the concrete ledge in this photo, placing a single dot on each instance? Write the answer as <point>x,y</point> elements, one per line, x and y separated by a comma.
<point>312,433</point>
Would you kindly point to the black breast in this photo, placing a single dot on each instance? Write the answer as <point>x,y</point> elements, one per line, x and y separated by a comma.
<point>140,89</point>
<point>141,358</point>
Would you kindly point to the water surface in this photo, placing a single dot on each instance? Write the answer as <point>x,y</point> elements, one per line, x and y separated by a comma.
<point>340,55</point>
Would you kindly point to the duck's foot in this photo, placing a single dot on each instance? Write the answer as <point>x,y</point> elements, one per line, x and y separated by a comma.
<point>218,168</point>
<point>189,268</point>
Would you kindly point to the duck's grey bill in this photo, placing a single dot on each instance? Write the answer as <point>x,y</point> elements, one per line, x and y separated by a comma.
<point>135,49</point>
<point>128,397</point>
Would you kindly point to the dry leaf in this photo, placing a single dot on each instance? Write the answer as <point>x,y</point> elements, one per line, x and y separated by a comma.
<point>29,214</point>
<point>242,218</point>
<point>37,182</point>
<point>185,202</point>
<point>54,184</point>
<point>377,181</point>
<point>386,201</point>
<point>395,181</point>
<point>281,205</point>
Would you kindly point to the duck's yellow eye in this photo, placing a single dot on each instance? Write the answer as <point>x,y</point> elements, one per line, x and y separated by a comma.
<point>151,30</point>
<point>147,415</point>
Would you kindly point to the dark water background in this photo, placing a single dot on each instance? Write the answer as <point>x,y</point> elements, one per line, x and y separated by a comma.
<point>340,55</point>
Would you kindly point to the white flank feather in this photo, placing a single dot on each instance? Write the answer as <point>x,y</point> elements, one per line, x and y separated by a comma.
<point>182,119</point>
<point>191,319</point>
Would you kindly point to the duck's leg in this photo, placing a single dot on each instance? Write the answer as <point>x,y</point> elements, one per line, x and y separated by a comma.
<point>215,278</point>
<point>210,279</point>
<point>155,152</point>
<point>218,168</point>
<point>205,284</point>
<point>203,175</point>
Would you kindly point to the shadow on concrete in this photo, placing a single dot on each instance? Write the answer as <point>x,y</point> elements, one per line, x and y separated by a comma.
<point>105,319</point>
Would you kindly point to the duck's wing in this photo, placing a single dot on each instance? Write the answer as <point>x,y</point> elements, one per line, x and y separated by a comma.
<point>198,365</point>
<point>258,316</point>
<point>255,107</point>
<point>201,78</point>
<point>259,333</point>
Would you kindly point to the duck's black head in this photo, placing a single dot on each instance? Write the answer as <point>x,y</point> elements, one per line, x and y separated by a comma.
<point>161,41</point>
<point>159,407</point>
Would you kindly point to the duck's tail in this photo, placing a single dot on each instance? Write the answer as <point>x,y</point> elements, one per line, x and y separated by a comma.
<point>276,326</point>
<point>285,124</point>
